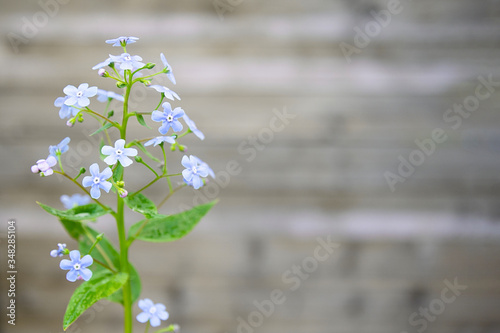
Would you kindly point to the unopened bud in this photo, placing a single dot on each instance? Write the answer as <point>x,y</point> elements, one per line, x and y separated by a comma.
<point>102,72</point>
<point>150,65</point>
<point>35,169</point>
<point>123,192</point>
<point>71,122</point>
<point>138,159</point>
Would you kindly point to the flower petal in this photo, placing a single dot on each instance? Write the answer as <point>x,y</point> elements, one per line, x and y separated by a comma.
<point>158,116</point>
<point>106,186</point>
<point>130,151</point>
<point>86,261</point>
<point>107,150</point>
<point>95,192</point>
<point>120,144</point>
<point>87,181</point>
<point>142,317</point>
<point>66,264</point>
<point>106,173</point>
<point>94,170</point>
<point>72,275</point>
<point>155,321</point>
<point>86,273</point>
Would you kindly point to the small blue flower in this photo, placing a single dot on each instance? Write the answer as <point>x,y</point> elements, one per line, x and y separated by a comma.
<point>193,128</point>
<point>75,200</point>
<point>44,167</point>
<point>79,96</point>
<point>170,75</point>
<point>104,96</point>
<point>195,170</point>
<point>159,139</point>
<point>103,64</point>
<point>168,118</point>
<point>122,40</point>
<point>61,147</point>
<point>66,110</point>
<point>98,180</point>
<point>127,61</point>
<point>118,153</point>
<point>77,267</point>
<point>59,252</point>
<point>152,312</point>
<point>170,94</point>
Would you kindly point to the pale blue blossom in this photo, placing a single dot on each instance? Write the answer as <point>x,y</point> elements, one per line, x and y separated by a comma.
<point>159,139</point>
<point>195,170</point>
<point>170,74</point>
<point>66,111</point>
<point>118,153</point>
<point>75,200</point>
<point>104,96</point>
<point>60,148</point>
<point>79,96</point>
<point>168,118</point>
<point>193,128</point>
<point>103,64</point>
<point>98,180</point>
<point>77,266</point>
<point>170,94</point>
<point>151,312</point>
<point>122,40</point>
<point>126,61</point>
<point>59,252</point>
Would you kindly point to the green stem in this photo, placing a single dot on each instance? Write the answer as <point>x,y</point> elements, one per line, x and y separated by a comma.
<point>124,266</point>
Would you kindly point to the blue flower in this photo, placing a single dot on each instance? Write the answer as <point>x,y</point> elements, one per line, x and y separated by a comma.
<point>193,128</point>
<point>122,41</point>
<point>66,110</point>
<point>118,153</point>
<point>152,312</point>
<point>79,96</point>
<point>60,148</point>
<point>195,170</point>
<point>59,252</point>
<point>159,139</point>
<point>168,118</point>
<point>170,75</point>
<point>127,61</point>
<point>75,200</point>
<point>77,267</point>
<point>104,96</point>
<point>103,64</point>
<point>170,94</point>
<point>98,180</point>
<point>44,167</point>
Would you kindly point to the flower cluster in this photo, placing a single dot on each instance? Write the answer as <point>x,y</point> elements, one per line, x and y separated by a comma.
<point>117,154</point>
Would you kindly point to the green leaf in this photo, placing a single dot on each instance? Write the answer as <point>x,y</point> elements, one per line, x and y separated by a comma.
<point>145,151</point>
<point>79,213</point>
<point>162,228</point>
<point>107,254</point>
<point>141,120</point>
<point>74,229</point>
<point>140,204</point>
<point>105,127</point>
<point>101,285</point>
<point>117,174</point>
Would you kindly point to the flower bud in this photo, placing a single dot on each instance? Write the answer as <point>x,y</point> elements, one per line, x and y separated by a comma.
<point>123,192</point>
<point>35,169</point>
<point>150,65</point>
<point>120,85</point>
<point>71,122</point>
<point>120,183</point>
<point>102,72</point>
<point>138,159</point>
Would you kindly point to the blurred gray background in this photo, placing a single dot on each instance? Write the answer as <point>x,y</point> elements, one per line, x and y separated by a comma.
<point>374,90</point>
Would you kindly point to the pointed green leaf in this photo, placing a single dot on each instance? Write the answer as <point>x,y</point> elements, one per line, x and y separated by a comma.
<point>162,228</point>
<point>141,120</point>
<point>139,203</point>
<point>74,229</point>
<point>117,174</point>
<point>79,213</point>
<point>101,285</point>
<point>104,127</point>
